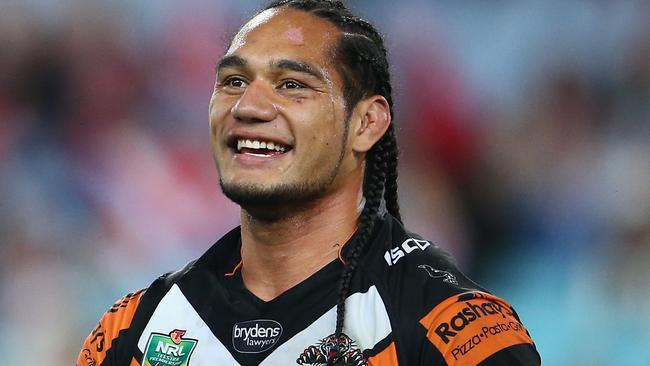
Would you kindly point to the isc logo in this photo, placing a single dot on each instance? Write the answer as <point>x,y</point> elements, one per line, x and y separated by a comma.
<point>170,349</point>
<point>393,255</point>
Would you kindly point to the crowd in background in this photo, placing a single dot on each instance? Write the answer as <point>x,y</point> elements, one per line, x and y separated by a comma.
<point>524,129</point>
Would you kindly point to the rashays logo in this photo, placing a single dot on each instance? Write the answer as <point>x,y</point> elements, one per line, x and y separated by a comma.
<point>470,313</point>
<point>255,336</point>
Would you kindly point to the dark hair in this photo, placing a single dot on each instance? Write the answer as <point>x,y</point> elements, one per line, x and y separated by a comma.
<point>363,65</point>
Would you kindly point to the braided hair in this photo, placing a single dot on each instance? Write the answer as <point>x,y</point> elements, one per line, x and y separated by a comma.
<point>363,66</point>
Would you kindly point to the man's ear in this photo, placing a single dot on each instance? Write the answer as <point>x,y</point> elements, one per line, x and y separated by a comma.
<point>370,120</point>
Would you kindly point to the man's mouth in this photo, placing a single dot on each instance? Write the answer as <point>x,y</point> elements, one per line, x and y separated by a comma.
<point>260,148</point>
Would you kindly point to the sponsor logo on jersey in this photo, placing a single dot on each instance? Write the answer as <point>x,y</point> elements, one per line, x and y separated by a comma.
<point>470,327</point>
<point>437,273</point>
<point>169,349</point>
<point>255,336</point>
<point>473,311</point>
<point>323,351</point>
<point>87,355</point>
<point>408,246</point>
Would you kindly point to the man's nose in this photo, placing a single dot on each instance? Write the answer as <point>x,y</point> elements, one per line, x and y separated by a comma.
<point>255,104</point>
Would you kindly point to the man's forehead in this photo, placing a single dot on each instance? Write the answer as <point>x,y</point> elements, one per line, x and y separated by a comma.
<point>293,27</point>
<point>240,38</point>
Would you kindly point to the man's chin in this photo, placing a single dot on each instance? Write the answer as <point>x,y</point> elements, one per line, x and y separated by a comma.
<point>257,196</point>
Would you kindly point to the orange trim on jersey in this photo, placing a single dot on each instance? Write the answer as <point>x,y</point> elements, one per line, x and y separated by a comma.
<point>344,244</point>
<point>470,327</point>
<point>116,319</point>
<point>134,362</point>
<point>234,270</point>
<point>340,257</point>
<point>387,357</point>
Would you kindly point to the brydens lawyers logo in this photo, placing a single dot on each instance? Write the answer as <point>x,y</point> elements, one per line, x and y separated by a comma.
<point>255,336</point>
<point>169,349</point>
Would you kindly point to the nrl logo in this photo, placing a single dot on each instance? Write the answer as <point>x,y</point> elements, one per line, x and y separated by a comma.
<point>169,349</point>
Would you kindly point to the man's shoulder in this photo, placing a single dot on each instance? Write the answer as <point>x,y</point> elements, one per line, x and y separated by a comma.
<point>104,340</point>
<point>405,263</point>
<point>428,297</point>
<point>113,339</point>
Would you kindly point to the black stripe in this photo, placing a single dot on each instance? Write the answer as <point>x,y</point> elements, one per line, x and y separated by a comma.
<point>427,355</point>
<point>518,355</point>
<point>380,346</point>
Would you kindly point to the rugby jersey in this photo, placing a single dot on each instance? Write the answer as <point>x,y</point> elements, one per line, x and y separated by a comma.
<point>408,305</point>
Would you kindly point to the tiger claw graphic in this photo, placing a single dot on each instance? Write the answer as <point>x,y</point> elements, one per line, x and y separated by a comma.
<point>436,273</point>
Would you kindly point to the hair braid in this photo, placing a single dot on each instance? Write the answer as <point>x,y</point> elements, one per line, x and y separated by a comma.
<point>363,66</point>
<point>390,190</point>
<point>374,182</point>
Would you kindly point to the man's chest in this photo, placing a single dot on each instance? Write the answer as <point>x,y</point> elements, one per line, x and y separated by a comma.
<point>219,328</point>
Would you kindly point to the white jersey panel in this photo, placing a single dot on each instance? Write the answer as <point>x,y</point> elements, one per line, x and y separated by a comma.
<point>366,323</point>
<point>175,312</point>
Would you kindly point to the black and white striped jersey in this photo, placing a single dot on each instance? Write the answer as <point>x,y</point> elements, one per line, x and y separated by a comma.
<point>408,305</point>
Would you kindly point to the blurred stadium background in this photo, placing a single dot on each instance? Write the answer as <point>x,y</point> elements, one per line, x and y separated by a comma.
<point>525,135</point>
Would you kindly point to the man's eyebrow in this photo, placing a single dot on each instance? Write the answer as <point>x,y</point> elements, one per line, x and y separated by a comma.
<point>230,61</point>
<point>298,66</point>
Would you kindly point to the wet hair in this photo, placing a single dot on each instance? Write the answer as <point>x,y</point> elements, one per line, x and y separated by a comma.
<point>362,63</point>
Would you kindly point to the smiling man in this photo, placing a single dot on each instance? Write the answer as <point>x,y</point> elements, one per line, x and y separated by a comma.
<point>321,270</point>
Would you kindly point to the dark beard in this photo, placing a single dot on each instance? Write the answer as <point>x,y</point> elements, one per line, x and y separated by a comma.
<point>252,195</point>
<point>274,203</point>
<point>256,198</point>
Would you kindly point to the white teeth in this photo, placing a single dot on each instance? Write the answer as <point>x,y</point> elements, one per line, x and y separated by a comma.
<point>256,144</point>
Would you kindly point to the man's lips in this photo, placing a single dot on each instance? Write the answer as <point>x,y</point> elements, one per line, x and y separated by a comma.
<point>257,146</point>
<point>261,146</point>
<point>256,156</point>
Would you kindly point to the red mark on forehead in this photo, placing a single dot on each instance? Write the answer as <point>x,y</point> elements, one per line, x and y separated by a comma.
<point>295,35</point>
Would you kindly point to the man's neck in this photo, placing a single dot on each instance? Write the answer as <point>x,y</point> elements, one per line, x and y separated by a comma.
<point>279,254</point>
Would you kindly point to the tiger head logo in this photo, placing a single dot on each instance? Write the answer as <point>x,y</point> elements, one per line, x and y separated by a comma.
<point>325,350</point>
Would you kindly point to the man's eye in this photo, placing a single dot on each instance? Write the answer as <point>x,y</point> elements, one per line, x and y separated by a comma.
<point>234,82</point>
<point>290,84</point>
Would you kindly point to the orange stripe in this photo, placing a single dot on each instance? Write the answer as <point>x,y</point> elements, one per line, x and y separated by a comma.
<point>116,319</point>
<point>346,243</point>
<point>340,257</point>
<point>470,327</point>
<point>234,270</point>
<point>134,362</point>
<point>387,357</point>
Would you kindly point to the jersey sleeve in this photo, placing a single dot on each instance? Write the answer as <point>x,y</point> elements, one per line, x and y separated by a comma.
<point>98,348</point>
<point>476,328</point>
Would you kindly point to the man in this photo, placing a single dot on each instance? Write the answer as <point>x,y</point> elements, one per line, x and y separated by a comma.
<point>321,271</point>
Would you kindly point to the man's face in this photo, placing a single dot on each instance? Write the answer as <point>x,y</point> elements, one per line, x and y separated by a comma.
<point>277,113</point>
